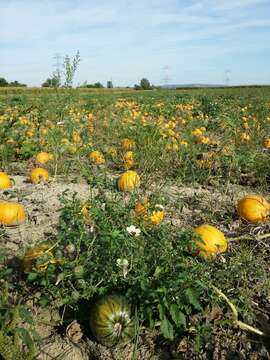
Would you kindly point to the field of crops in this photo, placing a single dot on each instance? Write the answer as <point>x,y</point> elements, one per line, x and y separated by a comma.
<point>134,224</point>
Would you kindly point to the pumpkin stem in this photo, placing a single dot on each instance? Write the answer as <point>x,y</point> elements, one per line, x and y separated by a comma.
<point>118,328</point>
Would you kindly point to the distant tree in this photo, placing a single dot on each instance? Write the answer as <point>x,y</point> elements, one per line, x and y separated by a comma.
<point>96,85</point>
<point>47,83</point>
<point>70,66</point>
<point>137,87</point>
<point>109,84</point>
<point>16,84</point>
<point>56,79</point>
<point>51,82</point>
<point>3,82</point>
<point>145,84</point>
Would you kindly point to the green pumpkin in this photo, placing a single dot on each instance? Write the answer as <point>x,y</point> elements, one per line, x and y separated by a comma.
<point>111,322</point>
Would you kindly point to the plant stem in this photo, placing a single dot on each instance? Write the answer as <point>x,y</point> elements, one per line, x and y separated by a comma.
<point>244,237</point>
<point>237,322</point>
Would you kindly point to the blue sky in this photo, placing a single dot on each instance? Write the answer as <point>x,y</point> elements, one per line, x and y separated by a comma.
<point>125,40</point>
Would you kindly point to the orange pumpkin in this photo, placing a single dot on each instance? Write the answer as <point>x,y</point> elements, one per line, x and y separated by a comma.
<point>43,157</point>
<point>11,213</point>
<point>253,208</point>
<point>128,181</point>
<point>96,157</point>
<point>5,182</point>
<point>212,241</point>
<point>39,175</point>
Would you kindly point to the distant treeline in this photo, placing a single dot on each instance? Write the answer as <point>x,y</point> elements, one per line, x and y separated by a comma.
<point>221,87</point>
<point>5,83</point>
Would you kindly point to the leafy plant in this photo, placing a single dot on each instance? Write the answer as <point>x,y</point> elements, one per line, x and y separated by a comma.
<point>156,278</point>
<point>17,341</point>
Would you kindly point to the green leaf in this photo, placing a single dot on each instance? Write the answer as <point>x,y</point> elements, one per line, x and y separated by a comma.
<point>166,328</point>
<point>36,336</point>
<point>44,301</point>
<point>32,276</point>
<point>192,297</point>
<point>161,311</point>
<point>177,315</point>
<point>26,315</point>
<point>25,337</point>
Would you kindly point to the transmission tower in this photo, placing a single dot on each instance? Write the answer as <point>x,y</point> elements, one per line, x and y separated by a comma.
<point>227,76</point>
<point>166,72</point>
<point>57,65</point>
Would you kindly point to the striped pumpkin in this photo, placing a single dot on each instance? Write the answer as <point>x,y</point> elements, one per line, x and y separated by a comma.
<point>111,322</point>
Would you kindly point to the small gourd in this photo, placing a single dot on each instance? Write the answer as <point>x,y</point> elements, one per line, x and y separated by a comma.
<point>111,322</point>
<point>39,175</point>
<point>253,208</point>
<point>212,241</point>
<point>5,182</point>
<point>11,213</point>
<point>128,181</point>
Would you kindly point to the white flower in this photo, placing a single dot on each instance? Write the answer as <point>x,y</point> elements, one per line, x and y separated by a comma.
<point>122,262</point>
<point>123,265</point>
<point>103,206</point>
<point>158,206</point>
<point>133,231</point>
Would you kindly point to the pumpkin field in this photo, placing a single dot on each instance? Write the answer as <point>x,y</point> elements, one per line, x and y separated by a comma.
<point>135,224</point>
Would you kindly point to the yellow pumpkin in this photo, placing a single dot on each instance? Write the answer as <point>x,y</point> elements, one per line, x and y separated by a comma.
<point>96,157</point>
<point>11,213</point>
<point>266,143</point>
<point>5,182</point>
<point>43,157</point>
<point>212,240</point>
<point>253,208</point>
<point>39,175</point>
<point>128,181</point>
<point>244,137</point>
